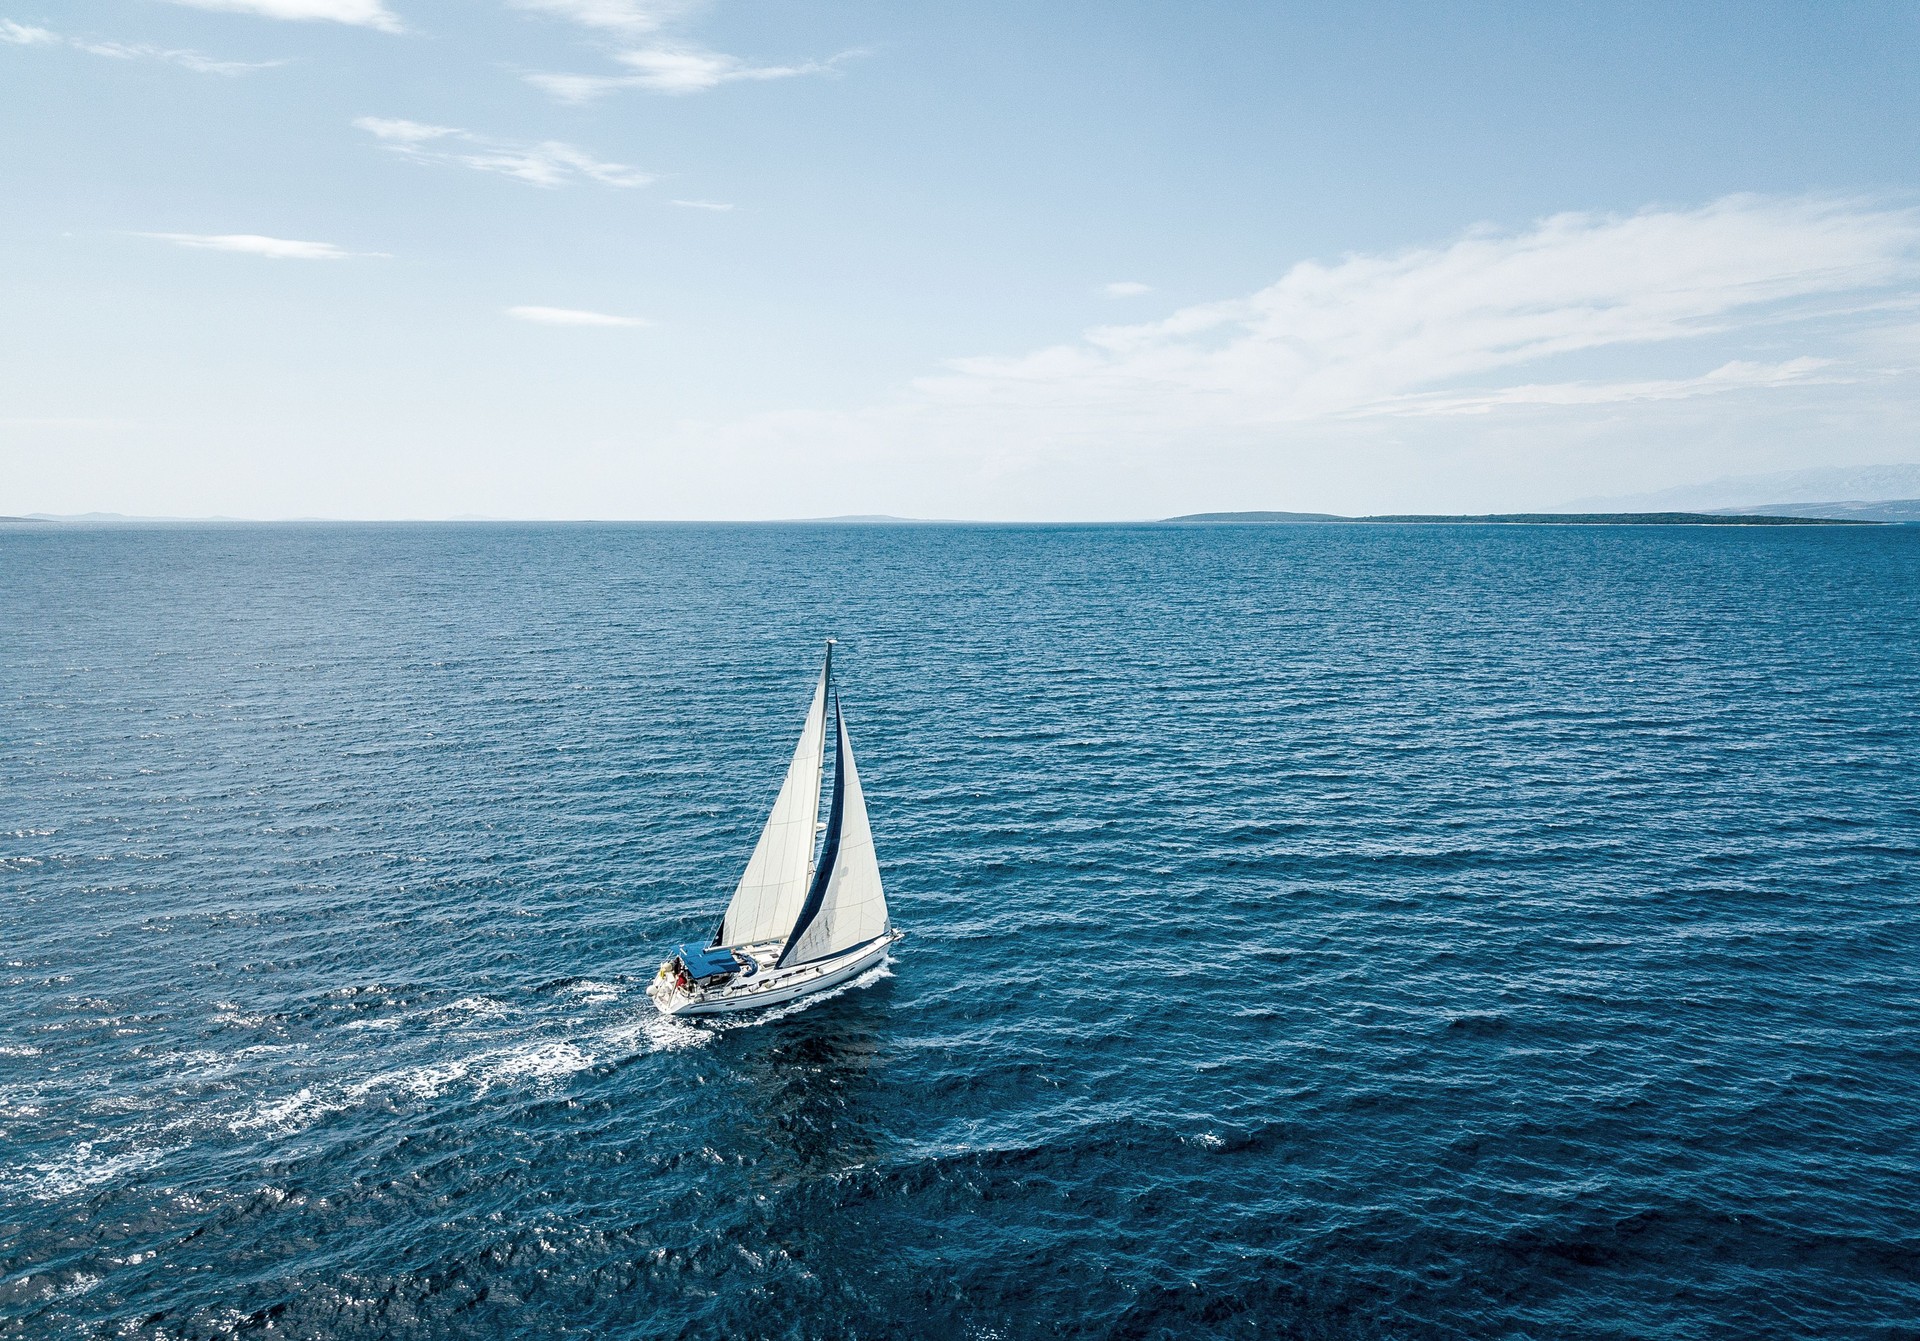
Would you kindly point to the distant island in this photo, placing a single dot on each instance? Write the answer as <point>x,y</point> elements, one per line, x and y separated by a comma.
<point>867,519</point>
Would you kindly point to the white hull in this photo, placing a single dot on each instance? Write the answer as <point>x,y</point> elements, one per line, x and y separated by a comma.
<point>770,986</point>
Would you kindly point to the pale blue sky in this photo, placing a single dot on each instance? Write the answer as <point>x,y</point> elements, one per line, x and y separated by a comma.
<point>986,260</point>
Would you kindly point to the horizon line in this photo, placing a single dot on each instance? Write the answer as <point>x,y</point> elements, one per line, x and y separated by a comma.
<point>1544,516</point>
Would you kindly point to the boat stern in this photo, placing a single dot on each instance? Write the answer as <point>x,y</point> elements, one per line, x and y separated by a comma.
<point>672,991</point>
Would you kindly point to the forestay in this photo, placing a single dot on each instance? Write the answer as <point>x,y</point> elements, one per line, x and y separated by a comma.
<point>852,907</point>
<point>771,893</point>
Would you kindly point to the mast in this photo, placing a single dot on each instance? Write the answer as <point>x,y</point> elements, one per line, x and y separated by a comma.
<point>826,684</point>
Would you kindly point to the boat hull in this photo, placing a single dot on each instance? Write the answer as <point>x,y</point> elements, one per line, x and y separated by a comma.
<point>772,987</point>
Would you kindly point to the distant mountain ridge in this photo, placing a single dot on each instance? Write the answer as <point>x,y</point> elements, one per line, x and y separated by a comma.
<point>1244,518</point>
<point>1868,484</point>
<point>1887,510</point>
<point>1516,519</point>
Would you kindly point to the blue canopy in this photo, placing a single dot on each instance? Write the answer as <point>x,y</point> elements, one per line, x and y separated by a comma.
<point>703,961</point>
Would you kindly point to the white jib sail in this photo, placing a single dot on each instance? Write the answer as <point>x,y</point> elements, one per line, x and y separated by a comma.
<point>854,909</point>
<point>768,898</point>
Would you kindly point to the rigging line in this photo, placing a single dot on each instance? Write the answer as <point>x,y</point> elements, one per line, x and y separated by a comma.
<point>815,855</point>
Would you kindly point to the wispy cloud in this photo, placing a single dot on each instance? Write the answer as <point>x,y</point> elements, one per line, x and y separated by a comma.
<point>1125,288</point>
<point>397,130</point>
<point>571,316</point>
<point>720,206</point>
<point>664,62</point>
<point>671,70</point>
<point>542,163</point>
<point>620,16</point>
<point>191,60</point>
<point>18,34</point>
<point>253,244</point>
<point>1736,375</point>
<point>692,70</point>
<point>361,13</point>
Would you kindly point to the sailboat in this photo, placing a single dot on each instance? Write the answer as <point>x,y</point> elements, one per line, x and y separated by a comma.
<point>809,913</point>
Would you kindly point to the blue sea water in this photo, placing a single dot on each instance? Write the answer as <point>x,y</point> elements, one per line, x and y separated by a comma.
<point>1313,932</point>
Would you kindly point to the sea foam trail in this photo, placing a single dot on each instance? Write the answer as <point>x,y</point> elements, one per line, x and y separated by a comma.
<point>563,1046</point>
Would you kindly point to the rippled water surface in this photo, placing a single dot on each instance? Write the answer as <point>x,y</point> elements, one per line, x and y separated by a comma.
<point>1313,932</point>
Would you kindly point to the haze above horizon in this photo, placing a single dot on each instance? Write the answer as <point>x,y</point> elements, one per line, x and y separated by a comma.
<point>670,259</point>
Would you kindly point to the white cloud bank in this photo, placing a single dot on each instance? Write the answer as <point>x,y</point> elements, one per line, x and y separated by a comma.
<point>361,13</point>
<point>661,63</point>
<point>253,244</point>
<point>546,163</point>
<point>1372,357</point>
<point>19,34</point>
<point>572,316</point>
<point>1363,334</point>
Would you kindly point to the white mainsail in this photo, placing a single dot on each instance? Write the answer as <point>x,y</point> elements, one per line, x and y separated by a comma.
<point>853,909</point>
<point>770,894</point>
